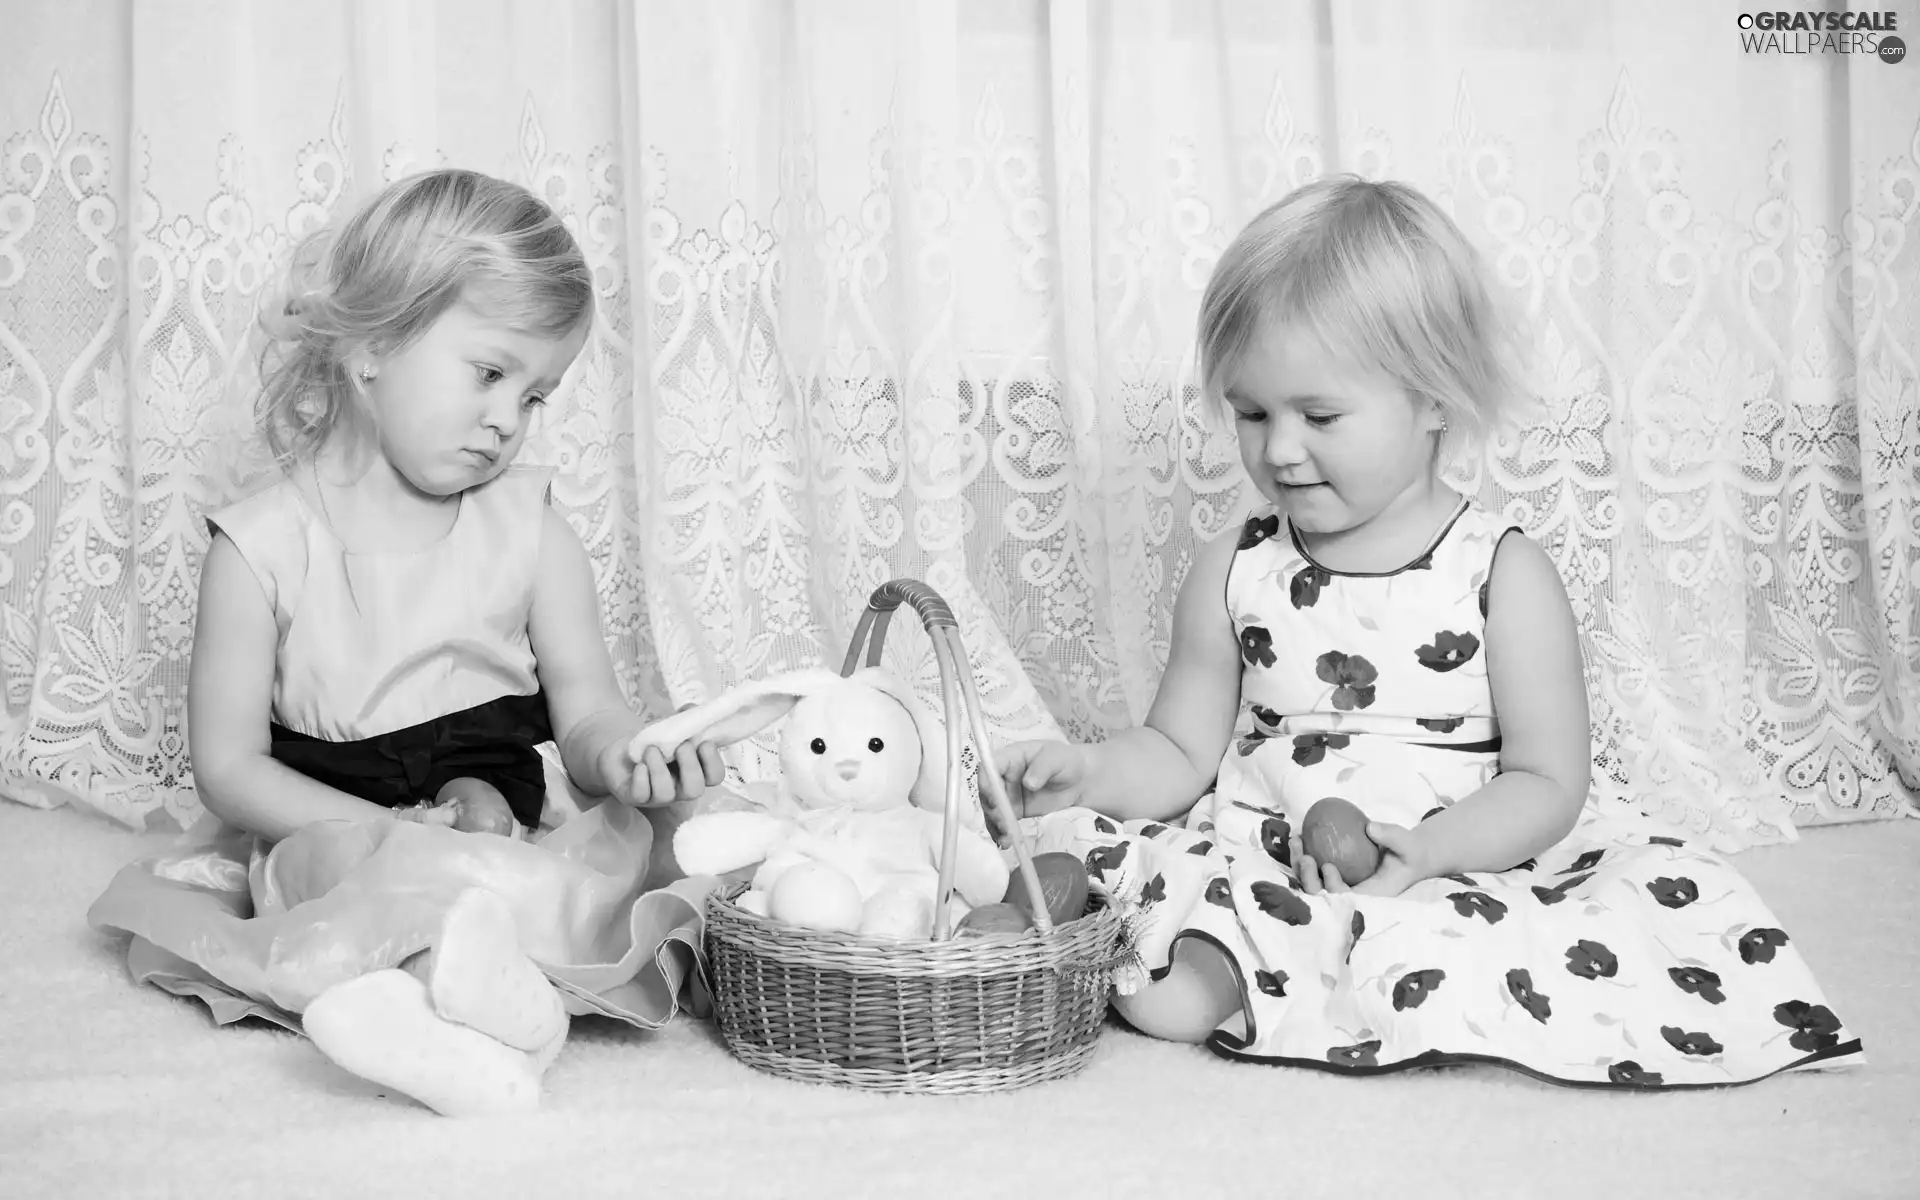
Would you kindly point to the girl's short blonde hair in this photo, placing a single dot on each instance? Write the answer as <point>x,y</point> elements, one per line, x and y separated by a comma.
<point>1382,279</point>
<point>377,281</point>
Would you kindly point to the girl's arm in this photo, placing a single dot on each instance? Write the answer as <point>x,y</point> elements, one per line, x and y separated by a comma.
<point>591,721</point>
<point>1156,770</point>
<point>1540,696</point>
<point>229,706</point>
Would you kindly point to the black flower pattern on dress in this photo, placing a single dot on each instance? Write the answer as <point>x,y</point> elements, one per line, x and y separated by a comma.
<point>1256,646</point>
<point>1436,810</point>
<point>1273,983</point>
<point>1412,989</point>
<point>1276,838</point>
<point>1814,1025</point>
<point>1310,748</point>
<point>1362,1054</point>
<point>1304,590</point>
<point>1592,960</point>
<point>1665,841</point>
<point>1448,651</point>
<point>1152,829</point>
<point>1520,987</point>
<point>1441,724</point>
<point>1674,893</point>
<point>1701,1045</point>
<point>1478,904</point>
<point>1558,892</point>
<point>1586,862</point>
<point>1201,848</point>
<point>1280,903</point>
<point>1631,1072</point>
<point>1155,891</point>
<point>1105,828</point>
<point>1699,981</point>
<point>1528,865</point>
<point>1265,718</point>
<point>1257,530</point>
<point>1758,944</point>
<point>1102,859</point>
<point>1351,675</point>
<point>1219,892</point>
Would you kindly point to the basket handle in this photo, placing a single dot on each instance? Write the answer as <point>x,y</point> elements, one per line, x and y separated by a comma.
<point>958,696</point>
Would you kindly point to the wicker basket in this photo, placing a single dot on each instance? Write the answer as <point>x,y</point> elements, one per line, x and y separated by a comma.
<point>974,1014</point>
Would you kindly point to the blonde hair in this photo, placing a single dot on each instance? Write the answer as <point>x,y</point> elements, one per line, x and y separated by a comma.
<point>381,278</point>
<point>1382,279</point>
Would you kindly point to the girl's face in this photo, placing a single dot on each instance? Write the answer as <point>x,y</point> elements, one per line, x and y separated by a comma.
<point>1332,444</point>
<point>452,409</point>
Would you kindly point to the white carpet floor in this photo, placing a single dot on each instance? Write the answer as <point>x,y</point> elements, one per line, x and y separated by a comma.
<point>107,1090</point>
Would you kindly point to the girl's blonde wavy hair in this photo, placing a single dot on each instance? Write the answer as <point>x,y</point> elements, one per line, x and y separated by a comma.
<point>1382,279</point>
<point>378,280</point>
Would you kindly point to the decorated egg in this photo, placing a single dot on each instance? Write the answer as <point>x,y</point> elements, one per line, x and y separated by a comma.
<point>1335,831</point>
<point>1063,882</point>
<point>995,918</point>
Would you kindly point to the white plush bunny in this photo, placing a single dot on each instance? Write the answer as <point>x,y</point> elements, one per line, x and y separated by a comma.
<point>852,841</point>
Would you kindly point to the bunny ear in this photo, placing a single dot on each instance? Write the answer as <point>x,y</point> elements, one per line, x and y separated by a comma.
<point>930,789</point>
<point>735,714</point>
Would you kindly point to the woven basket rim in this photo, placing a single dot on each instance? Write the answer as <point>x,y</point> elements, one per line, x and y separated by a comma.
<point>1091,942</point>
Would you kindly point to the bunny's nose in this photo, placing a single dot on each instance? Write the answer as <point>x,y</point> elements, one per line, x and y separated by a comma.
<point>848,767</point>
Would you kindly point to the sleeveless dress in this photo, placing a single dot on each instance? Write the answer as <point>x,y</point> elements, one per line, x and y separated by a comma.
<point>395,673</point>
<point>1613,959</point>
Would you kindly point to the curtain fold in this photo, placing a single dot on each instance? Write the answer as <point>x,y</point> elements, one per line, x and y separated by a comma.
<point>908,289</point>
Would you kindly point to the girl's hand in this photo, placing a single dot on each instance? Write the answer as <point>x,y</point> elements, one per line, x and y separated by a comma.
<point>654,779</point>
<point>1043,776</point>
<point>1314,876</point>
<point>1404,863</point>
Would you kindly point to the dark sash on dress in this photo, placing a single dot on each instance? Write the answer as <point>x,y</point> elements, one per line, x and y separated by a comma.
<point>493,742</point>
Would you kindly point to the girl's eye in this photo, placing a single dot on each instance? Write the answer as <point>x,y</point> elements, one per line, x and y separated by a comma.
<point>1252,418</point>
<point>1322,419</point>
<point>489,375</point>
<point>534,401</point>
<point>818,745</point>
<point>875,745</point>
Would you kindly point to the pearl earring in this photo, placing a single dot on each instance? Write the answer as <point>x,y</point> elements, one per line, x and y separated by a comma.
<point>367,374</point>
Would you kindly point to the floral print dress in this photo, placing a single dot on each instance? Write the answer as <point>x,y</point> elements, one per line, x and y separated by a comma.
<point>1613,959</point>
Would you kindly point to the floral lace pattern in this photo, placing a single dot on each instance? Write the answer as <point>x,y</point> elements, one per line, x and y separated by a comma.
<point>932,317</point>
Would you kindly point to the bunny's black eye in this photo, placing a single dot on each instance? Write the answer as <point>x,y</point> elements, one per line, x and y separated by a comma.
<point>818,745</point>
<point>876,745</point>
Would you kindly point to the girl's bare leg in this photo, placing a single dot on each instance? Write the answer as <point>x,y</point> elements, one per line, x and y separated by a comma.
<point>1199,991</point>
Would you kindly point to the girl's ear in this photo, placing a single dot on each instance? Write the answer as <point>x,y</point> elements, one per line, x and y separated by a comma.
<point>735,714</point>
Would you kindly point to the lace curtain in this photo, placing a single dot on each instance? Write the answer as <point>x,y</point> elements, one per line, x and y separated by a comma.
<point>897,288</point>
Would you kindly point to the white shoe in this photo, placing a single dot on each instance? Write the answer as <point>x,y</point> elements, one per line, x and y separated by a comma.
<point>476,975</point>
<point>382,1027</point>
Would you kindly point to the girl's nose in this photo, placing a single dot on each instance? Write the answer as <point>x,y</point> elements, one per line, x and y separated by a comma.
<point>504,423</point>
<point>848,768</point>
<point>1283,444</point>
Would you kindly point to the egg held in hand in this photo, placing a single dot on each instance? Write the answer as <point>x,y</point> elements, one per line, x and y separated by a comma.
<point>1335,831</point>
